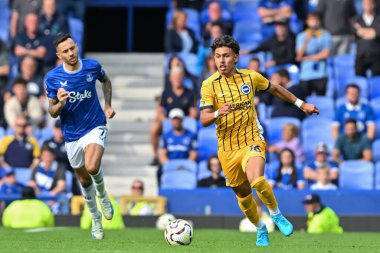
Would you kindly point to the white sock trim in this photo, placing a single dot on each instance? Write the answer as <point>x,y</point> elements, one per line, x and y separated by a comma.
<point>260,224</point>
<point>274,211</point>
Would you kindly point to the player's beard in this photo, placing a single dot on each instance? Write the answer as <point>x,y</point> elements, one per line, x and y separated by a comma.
<point>72,61</point>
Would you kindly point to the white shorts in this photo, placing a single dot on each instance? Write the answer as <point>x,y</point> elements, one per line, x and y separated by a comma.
<point>75,149</point>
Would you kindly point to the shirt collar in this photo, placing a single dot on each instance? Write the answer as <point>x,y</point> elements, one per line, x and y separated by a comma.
<point>74,71</point>
<point>352,107</point>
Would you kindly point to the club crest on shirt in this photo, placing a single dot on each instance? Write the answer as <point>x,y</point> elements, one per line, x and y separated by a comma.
<point>246,89</point>
<point>89,77</point>
<point>255,148</point>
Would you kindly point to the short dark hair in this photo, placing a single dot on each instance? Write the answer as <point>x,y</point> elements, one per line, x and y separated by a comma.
<point>255,59</point>
<point>47,148</point>
<point>314,15</point>
<point>350,120</point>
<point>19,80</point>
<point>61,37</point>
<point>28,193</point>
<point>283,73</point>
<point>352,85</point>
<point>226,41</point>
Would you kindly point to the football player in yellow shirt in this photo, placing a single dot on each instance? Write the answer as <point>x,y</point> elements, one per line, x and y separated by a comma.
<point>227,100</point>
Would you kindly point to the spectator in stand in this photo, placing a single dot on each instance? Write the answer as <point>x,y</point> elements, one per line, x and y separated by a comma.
<point>354,109</point>
<point>19,150</point>
<point>321,154</point>
<point>178,143</point>
<point>321,219</point>
<point>139,207</point>
<point>8,183</point>
<point>4,65</point>
<point>273,10</point>
<point>31,42</point>
<point>214,12</point>
<point>29,72</point>
<point>179,38</point>
<point>28,212</point>
<point>49,176</point>
<point>352,145</point>
<point>22,103</point>
<point>216,179</point>
<point>367,33</point>
<point>20,9</point>
<point>282,108</point>
<point>208,69</point>
<point>323,180</point>
<point>204,50</point>
<point>175,97</point>
<point>287,176</point>
<point>176,62</point>
<point>281,45</point>
<point>49,179</point>
<point>255,65</point>
<point>73,8</point>
<point>51,24</point>
<point>312,49</point>
<point>336,17</point>
<point>290,140</point>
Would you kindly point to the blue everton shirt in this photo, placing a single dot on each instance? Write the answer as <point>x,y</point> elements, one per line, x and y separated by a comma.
<point>82,111</point>
<point>362,113</point>
<point>178,146</point>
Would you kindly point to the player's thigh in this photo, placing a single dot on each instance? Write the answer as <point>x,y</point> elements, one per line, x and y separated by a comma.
<point>75,154</point>
<point>231,166</point>
<point>253,162</point>
<point>93,145</point>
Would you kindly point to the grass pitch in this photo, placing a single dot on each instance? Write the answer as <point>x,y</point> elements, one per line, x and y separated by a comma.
<point>75,240</point>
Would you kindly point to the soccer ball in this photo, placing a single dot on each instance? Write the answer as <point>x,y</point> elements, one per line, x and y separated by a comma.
<point>164,220</point>
<point>179,232</point>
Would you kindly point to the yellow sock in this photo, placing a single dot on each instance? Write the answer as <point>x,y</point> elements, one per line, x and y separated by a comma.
<point>249,208</point>
<point>265,192</point>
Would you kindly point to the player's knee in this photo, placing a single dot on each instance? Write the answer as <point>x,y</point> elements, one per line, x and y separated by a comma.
<point>92,168</point>
<point>242,190</point>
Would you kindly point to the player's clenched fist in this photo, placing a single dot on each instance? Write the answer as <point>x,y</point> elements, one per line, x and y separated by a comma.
<point>225,109</point>
<point>62,95</point>
<point>109,112</point>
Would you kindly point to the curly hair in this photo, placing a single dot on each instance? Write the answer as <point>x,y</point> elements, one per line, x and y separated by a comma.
<point>226,41</point>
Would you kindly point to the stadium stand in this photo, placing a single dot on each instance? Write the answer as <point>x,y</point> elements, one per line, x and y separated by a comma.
<point>274,127</point>
<point>179,174</point>
<point>356,174</point>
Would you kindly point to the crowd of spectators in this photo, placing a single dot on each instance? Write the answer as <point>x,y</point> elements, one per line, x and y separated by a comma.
<point>32,151</point>
<point>325,52</point>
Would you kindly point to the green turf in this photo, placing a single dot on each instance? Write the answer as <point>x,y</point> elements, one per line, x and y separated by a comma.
<point>72,240</point>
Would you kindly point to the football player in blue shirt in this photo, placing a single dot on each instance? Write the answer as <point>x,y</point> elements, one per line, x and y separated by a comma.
<point>72,96</point>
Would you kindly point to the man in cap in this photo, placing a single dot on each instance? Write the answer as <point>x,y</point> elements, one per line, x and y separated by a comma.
<point>321,219</point>
<point>179,143</point>
<point>321,154</point>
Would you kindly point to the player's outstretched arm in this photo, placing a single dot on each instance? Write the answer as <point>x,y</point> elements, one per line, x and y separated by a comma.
<point>107,91</point>
<point>285,95</point>
<point>208,116</point>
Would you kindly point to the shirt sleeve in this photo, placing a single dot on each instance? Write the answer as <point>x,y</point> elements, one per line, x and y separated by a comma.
<point>207,97</point>
<point>100,73</point>
<point>260,82</point>
<point>36,147</point>
<point>163,143</point>
<point>51,91</point>
<point>299,41</point>
<point>193,144</point>
<point>370,115</point>
<point>327,41</point>
<point>367,144</point>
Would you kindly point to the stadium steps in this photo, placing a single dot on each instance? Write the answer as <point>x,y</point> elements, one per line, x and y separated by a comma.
<point>137,80</point>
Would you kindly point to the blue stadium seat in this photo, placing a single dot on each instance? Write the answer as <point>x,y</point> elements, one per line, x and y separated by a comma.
<point>356,174</point>
<point>247,32</point>
<point>375,104</point>
<point>374,87</point>
<point>376,151</point>
<point>324,104</point>
<point>188,123</point>
<point>331,88</point>
<point>246,11</point>
<point>77,28</point>
<point>5,15</point>
<point>377,129</point>
<point>343,69</point>
<point>275,125</point>
<point>244,59</point>
<point>23,175</point>
<point>179,174</point>
<point>203,171</point>
<point>207,143</point>
<point>2,132</point>
<point>291,68</point>
<point>69,182</point>
<point>315,130</point>
<point>377,176</point>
